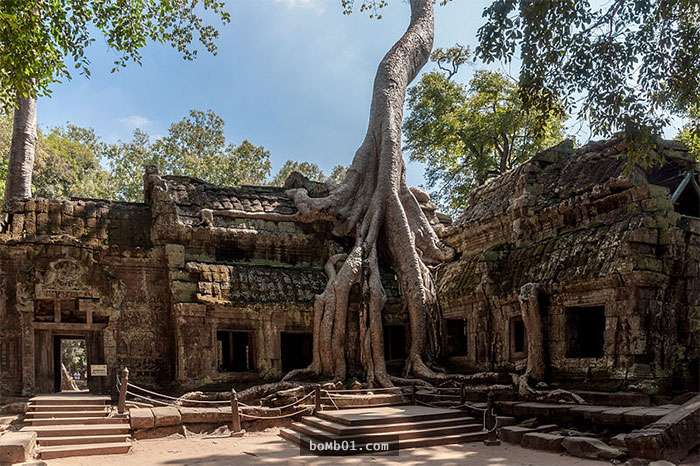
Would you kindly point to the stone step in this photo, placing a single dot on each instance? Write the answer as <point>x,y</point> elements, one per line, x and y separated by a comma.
<point>72,407</point>
<point>618,399</point>
<point>44,400</point>
<point>78,429</point>
<point>300,439</point>
<point>342,429</point>
<point>64,414</point>
<point>82,439</point>
<point>355,417</point>
<point>65,451</point>
<point>409,434</point>
<point>73,420</point>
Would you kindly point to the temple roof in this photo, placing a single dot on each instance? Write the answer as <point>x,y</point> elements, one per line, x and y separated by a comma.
<point>562,172</point>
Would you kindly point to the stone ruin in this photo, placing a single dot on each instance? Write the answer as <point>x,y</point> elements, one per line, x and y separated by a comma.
<point>575,266</point>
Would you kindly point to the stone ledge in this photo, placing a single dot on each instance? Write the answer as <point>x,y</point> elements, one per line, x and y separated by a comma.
<point>17,447</point>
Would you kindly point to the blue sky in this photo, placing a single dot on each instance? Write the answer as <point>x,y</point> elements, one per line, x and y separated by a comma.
<point>292,75</point>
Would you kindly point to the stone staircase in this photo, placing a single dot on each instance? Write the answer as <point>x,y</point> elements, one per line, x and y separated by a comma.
<point>76,424</point>
<point>399,427</point>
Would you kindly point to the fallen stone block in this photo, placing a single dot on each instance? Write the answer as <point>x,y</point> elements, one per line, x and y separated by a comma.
<point>17,447</point>
<point>542,441</point>
<point>589,447</point>
<point>611,416</point>
<point>141,418</point>
<point>514,434</point>
<point>670,438</point>
<point>641,417</point>
<point>166,416</point>
<point>203,416</point>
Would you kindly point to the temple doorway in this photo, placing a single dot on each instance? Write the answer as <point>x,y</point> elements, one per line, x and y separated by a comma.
<point>70,364</point>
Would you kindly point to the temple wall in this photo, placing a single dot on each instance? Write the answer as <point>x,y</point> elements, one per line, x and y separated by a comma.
<point>619,252</point>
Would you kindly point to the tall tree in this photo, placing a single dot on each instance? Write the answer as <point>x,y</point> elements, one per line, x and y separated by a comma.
<point>41,40</point>
<point>690,133</point>
<point>632,64</point>
<point>467,133</point>
<point>374,206</point>
<point>308,169</point>
<point>194,146</point>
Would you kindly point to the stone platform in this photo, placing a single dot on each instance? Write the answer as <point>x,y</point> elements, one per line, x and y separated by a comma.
<point>397,427</point>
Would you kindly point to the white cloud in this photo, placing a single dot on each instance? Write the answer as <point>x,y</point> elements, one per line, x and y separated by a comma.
<point>317,5</point>
<point>135,121</point>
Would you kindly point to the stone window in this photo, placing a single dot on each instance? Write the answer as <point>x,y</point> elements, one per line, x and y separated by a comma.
<point>44,310</point>
<point>686,198</point>
<point>394,342</point>
<point>235,351</point>
<point>59,310</point>
<point>585,332</point>
<point>456,330</point>
<point>297,350</point>
<point>70,312</point>
<point>518,338</point>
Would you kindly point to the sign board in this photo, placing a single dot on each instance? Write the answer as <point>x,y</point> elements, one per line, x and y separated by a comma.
<point>98,370</point>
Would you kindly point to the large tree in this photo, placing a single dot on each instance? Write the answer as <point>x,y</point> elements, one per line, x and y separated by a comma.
<point>375,207</point>
<point>194,146</point>
<point>68,162</point>
<point>625,65</point>
<point>467,133</point>
<point>41,40</point>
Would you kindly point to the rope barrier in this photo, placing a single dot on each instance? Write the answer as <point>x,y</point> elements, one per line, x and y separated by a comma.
<point>332,400</point>
<point>365,390</point>
<point>295,402</point>
<point>151,399</point>
<point>262,418</point>
<point>181,400</point>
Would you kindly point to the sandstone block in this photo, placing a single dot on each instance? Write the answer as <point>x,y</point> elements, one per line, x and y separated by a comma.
<point>514,434</point>
<point>203,416</point>
<point>17,447</point>
<point>542,441</point>
<point>141,418</point>
<point>588,447</point>
<point>166,416</point>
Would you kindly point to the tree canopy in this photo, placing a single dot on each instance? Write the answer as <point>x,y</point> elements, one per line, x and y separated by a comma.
<point>467,133</point>
<point>194,146</point>
<point>624,65</point>
<point>41,41</point>
<point>310,170</point>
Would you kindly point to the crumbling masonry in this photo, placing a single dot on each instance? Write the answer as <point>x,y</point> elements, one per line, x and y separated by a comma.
<point>570,266</point>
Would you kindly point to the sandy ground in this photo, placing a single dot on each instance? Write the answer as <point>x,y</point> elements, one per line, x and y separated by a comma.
<point>267,448</point>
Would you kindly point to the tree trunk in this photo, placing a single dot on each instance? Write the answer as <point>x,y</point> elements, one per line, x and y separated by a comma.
<point>532,320</point>
<point>375,207</point>
<point>21,164</point>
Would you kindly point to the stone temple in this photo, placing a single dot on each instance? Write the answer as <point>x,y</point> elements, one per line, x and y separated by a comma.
<point>204,285</point>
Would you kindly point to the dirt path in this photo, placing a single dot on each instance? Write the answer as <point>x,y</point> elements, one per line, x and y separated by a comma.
<point>268,448</point>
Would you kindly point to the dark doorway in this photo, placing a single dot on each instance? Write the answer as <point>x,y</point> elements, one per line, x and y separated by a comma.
<point>456,337</point>
<point>517,337</point>
<point>70,364</point>
<point>235,350</point>
<point>585,332</point>
<point>297,350</point>
<point>394,342</point>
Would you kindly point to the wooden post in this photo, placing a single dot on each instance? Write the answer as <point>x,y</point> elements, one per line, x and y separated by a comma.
<point>413,393</point>
<point>317,398</point>
<point>123,382</point>
<point>463,392</point>
<point>235,415</point>
<point>491,422</point>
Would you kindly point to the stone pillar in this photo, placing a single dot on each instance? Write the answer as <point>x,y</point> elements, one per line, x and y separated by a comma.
<point>532,319</point>
<point>27,351</point>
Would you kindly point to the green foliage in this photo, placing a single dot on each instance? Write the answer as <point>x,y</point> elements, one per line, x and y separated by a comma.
<point>690,134</point>
<point>308,169</point>
<point>74,162</point>
<point>626,65</point>
<point>195,146</point>
<point>67,162</point>
<point>337,174</point>
<point>40,41</point>
<point>466,134</point>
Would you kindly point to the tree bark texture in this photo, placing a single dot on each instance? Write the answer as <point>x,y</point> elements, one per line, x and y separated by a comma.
<point>532,320</point>
<point>21,163</point>
<point>375,207</point>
